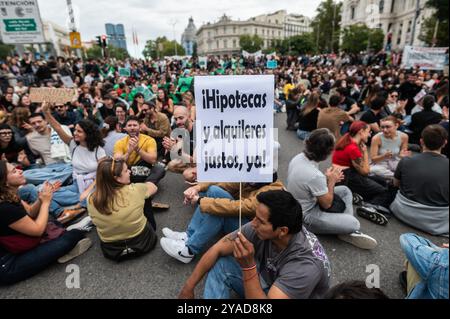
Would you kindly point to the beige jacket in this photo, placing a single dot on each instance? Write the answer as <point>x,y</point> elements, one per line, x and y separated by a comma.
<point>225,207</point>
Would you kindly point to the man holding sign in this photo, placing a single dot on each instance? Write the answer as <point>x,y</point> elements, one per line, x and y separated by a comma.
<point>273,257</point>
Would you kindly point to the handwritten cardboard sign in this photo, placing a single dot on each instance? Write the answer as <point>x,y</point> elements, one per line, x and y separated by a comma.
<point>52,95</point>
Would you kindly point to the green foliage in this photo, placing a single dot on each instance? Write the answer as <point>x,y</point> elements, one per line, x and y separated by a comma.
<point>250,43</point>
<point>328,18</point>
<point>162,47</point>
<point>376,37</point>
<point>429,25</point>
<point>5,50</point>
<point>113,52</point>
<point>359,37</point>
<point>300,44</point>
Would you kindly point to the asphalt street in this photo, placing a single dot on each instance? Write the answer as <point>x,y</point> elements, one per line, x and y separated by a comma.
<point>158,276</point>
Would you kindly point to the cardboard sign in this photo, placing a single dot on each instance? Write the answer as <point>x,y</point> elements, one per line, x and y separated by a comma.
<point>234,128</point>
<point>51,95</point>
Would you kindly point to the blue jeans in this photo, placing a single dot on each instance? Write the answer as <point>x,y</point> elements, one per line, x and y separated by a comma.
<point>303,135</point>
<point>53,172</point>
<point>204,227</point>
<point>431,263</point>
<point>65,197</point>
<point>226,275</point>
<point>15,268</point>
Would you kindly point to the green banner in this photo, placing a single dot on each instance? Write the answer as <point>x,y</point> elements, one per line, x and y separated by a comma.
<point>20,25</point>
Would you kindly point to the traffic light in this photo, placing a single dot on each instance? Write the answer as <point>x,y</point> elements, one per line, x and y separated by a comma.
<point>99,41</point>
<point>104,41</point>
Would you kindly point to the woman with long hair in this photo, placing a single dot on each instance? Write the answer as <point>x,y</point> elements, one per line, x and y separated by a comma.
<point>388,148</point>
<point>19,124</point>
<point>164,103</point>
<point>86,150</point>
<point>352,155</point>
<point>308,116</point>
<point>117,209</point>
<point>28,242</point>
<point>136,106</point>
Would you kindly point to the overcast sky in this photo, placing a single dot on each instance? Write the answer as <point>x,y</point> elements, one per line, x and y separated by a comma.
<point>153,18</point>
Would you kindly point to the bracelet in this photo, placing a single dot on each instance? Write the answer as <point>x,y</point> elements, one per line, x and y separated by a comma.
<point>252,277</point>
<point>249,269</point>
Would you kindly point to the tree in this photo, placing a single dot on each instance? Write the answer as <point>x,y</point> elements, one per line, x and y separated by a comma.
<point>117,53</point>
<point>440,20</point>
<point>94,53</point>
<point>326,26</point>
<point>376,39</point>
<point>250,43</point>
<point>113,52</point>
<point>162,47</point>
<point>5,50</point>
<point>300,44</point>
<point>359,37</point>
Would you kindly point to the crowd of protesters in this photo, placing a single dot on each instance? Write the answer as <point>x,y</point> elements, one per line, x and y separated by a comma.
<point>384,128</point>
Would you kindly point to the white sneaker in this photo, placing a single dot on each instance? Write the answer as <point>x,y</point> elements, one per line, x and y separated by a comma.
<point>176,249</point>
<point>359,240</point>
<point>84,225</point>
<point>80,248</point>
<point>174,234</point>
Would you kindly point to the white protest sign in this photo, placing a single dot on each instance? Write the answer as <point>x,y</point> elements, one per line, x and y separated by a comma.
<point>425,58</point>
<point>20,22</point>
<point>68,82</point>
<point>234,128</point>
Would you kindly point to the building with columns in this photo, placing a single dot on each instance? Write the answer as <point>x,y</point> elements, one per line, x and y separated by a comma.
<point>402,18</point>
<point>222,37</point>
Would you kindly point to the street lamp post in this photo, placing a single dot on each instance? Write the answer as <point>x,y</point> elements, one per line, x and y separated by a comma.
<point>173,24</point>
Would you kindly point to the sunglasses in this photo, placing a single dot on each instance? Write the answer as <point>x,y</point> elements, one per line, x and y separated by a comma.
<point>59,107</point>
<point>394,95</point>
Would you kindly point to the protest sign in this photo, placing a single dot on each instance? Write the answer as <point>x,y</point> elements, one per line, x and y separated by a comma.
<point>425,58</point>
<point>51,95</point>
<point>203,62</point>
<point>125,72</point>
<point>234,126</point>
<point>273,64</point>
<point>148,95</point>
<point>68,82</point>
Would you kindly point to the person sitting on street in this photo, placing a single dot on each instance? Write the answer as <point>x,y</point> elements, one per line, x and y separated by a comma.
<point>388,148</point>
<point>155,124</point>
<point>217,213</point>
<point>422,201</point>
<point>426,275</point>
<point>326,209</point>
<point>116,207</point>
<point>28,242</point>
<point>272,257</point>
<point>352,156</point>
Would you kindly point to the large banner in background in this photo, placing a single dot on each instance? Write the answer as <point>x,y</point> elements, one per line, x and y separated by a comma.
<point>234,128</point>
<point>425,58</point>
<point>21,22</point>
